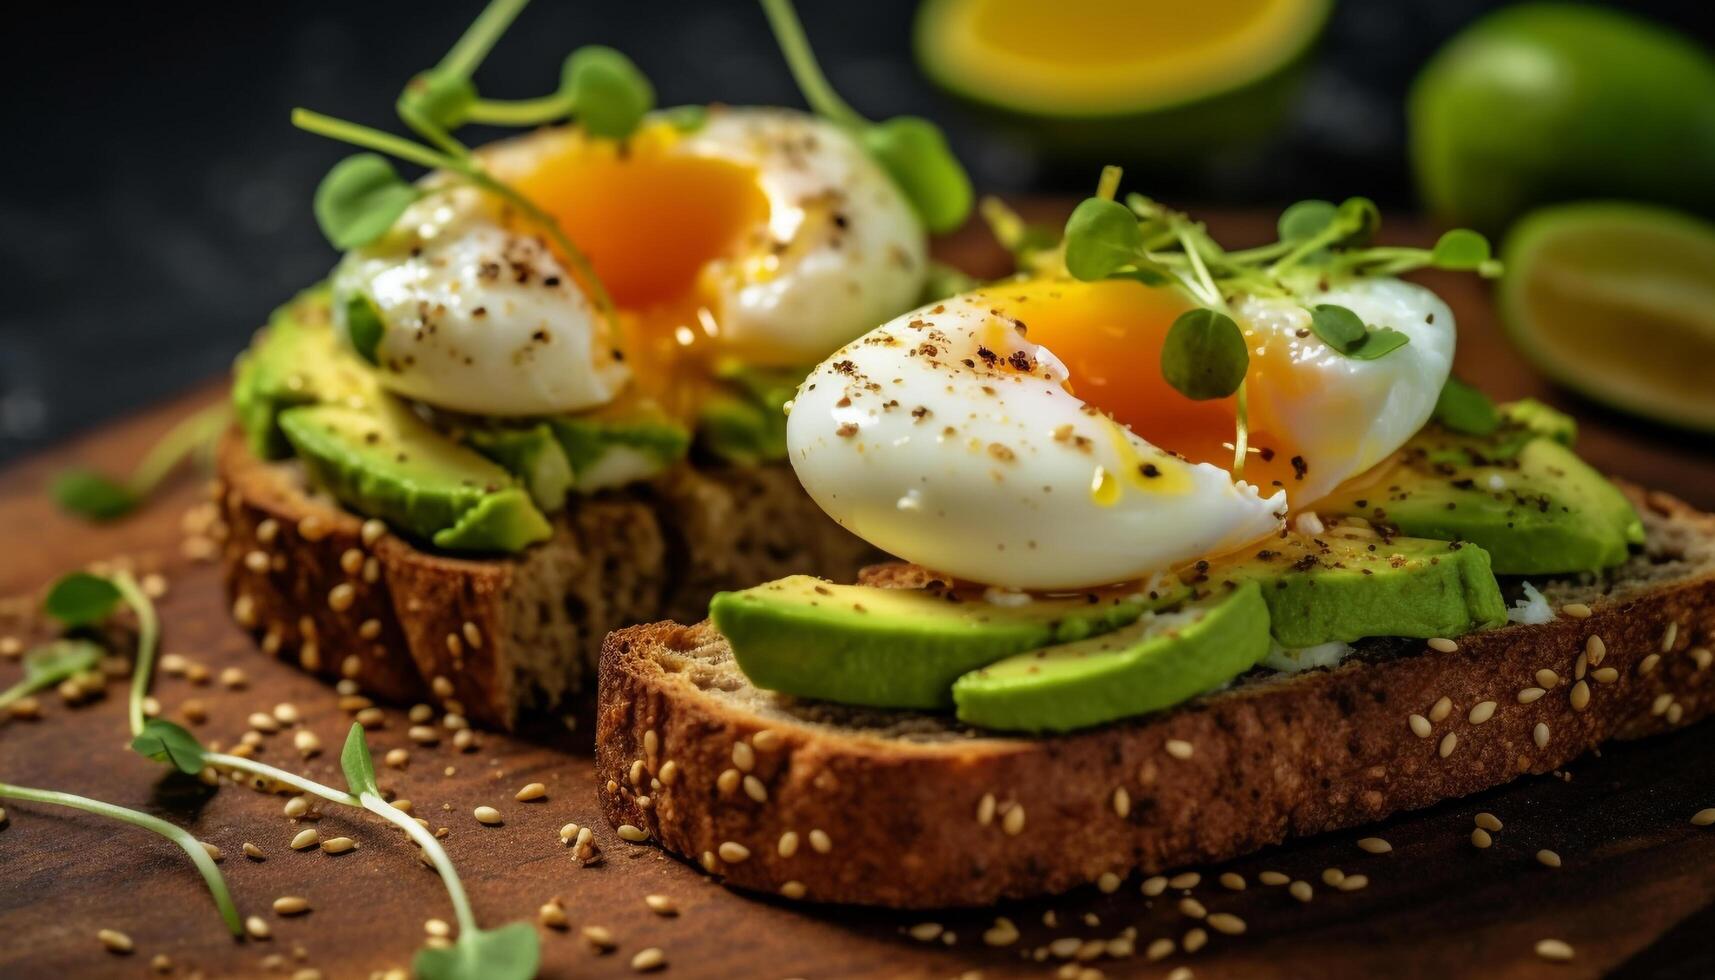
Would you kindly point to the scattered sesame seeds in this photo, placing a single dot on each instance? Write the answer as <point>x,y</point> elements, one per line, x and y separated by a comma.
<point>291,905</point>
<point>1160,949</point>
<point>397,758</point>
<point>669,773</point>
<point>1441,644</point>
<point>1703,817</point>
<point>423,734</point>
<point>1002,933</point>
<point>487,815</point>
<point>1192,908</point>
<point>793,889</point>
<point>306,742</point>
<point>925,932</point>
<point>767,740</point>
<point>1449,742</point>
<point>1012,821</point>
<point>649,959</point>
<point>1604,675</point>
<point>986,810</point>
<point>1232,881</point>
<point>553,915</point>
<point>1352,883</point>
<point>531,791</point>
<point>743,756</point>
<point>1180,749</point>
<point>1546,678</point>
<point>1107,883</point>
<point>821,843</point>
<point>1480,838</point>
<point>788,845</point>
<point>1275,878</point>
<point>728,780</point>
<point>1439,711</point>
<point>253,852</point>
<point>1185,879</point>
<point>755,789</point>
<point>1420,726</point>
<point>1374,845</point>
<point>258,928</point>
<point>1480,712</point>
<point>1577,610</point>
<point>1702,656</point>
<point>1154,886</point>
<point>372,531</point>
<point>1194,940</point>
<point>601,937</point>
<point>341,597</point>
<point>1669,637</point>
<point>1548,858</point>
<point>1332,877</point>
<point>338,845</point>
<point>305,839</point>
<point>662,905</point>
<point>1596,649</point>
<point>264,723</point>
<point>1529,694</point>
<point>1554,950</point>
<point>1121,802</point>
<point>1487,821</point>
<point>1662,702</point>
<point>1226,922</point>
<point>1540,734</point>
<point>1301,890</point>
<point>1647,664</point>
<point>1675,712</point>
<point>1580,696</point>
<point>733,852</point>
<point>116,942</point>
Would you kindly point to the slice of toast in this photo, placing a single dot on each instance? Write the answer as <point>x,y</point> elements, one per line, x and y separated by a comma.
<point>492,638</point>
<point>837,804</point>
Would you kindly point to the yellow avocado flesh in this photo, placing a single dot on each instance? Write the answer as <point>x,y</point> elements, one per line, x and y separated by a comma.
<point>1108,57</point>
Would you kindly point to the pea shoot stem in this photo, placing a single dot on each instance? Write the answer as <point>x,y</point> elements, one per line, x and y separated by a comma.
<point>437,856</point>
<point>1109,184</point>
<point>221,760</point>
<point>801,59</point>
<point>148,641</point>
<point>479,38</point>
<point>520,112</point>
<point>191,846</point>
<point>189,435</point>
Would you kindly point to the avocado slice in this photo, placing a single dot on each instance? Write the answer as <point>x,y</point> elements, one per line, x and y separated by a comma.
<point>1331,588</point>
<point>296,361</point>
<point>618,444</point>
<point>896,648</point>
<point>1156,662</point>
<point>1519,493</point>
<point>385,462</point>
<point>745,421</point>
<point>533,455</point>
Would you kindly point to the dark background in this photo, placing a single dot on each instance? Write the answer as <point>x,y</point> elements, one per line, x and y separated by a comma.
<point>155,200</point>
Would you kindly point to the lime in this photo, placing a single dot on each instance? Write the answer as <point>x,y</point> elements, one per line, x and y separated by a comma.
<point>1552,102</point>
<point>1617,301</point>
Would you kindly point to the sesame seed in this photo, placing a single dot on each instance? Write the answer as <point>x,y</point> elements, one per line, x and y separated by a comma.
<point>338,845</point>
<point>1487,821</point>
<point>296,807</point>
<point>1226,922</point>
<point>1194,940</point>
<point>1548,858</point>
<point>1702,656</point>
<point>341,597</point>
<point>632,833</point>
<point>1647,664</point>
<point>754,789</point>
<point>472,635</point>
<point>1002,933</point>
<point>1301,890</point>
<point>263,723</point>
<point>601,937</point>
<point>793,889</point>
<point>1233,881</point>
<point>1352,883</point>
<point>1661,703</point>
<point>1480,838</point>
<point>661,904</point>
<point>1595,649</point>
<point>1449,742</point>
<point>372,531</point>
<point>305,839</point>
<point>531,791</point>
<point>1553,949</point>
<point>1577,610</point>
<point>733,852</point>
<point>1275,878</point>
<point>925,931</point>
<point>291,905</point>
<point>258,928</point>
<point>453,721</point>
<point>351,562</point>
<point>1440,710</point>
<point>649,959</point>
<point>1481,711</point>
<point>1160,949</point>
<point>743,756</point>
<point>985,809</point>
<point>822,844</point>
<point>553,915</point>
<point>669,773</point>
<point>442,686</point>
<point>1540,735</point>
<point>487,815</point>
<point>1675,711</point>
<point>1529,694</point>
<point>1440,644</point>
<point>767,740</point>
<point>1580,695</point>
<point>1013,820</point>
<point>1185,879</point>
<point>423,734</point>
<point>1420,726</point>
<point>1107,883</point>
<point>116,942</point>
<point>306,742</point>
<point>253,852</point>
<point>1332,876</point>
<point>1121,802</point>
<point>1669,636</point>
<point>1604,675</point>
<point>1178,748</point>
<point>286,713</point>
<point>1546,678</point>
<point>370,718</point>
<point>1374,845</point>
<point>1154,886</point>
<point>1703,817</point>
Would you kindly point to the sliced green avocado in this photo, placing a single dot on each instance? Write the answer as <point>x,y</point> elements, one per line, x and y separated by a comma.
<point>1154,663</point>
<point>619,444</point>
<point>296,361</point>
<point>384,462</point>
<point>1332,588</point>
<point>1520,494</point>
<point>894,648</point>
<point>746,422</point>
<point>533,455</point>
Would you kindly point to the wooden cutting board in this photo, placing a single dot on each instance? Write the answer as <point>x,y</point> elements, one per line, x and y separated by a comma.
<point>1635,897</point>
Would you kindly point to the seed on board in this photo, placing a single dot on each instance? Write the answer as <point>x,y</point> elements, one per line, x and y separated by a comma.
<point>116,942</point>
<point>1374,845</point>
<point>1488,821</point>
<point>1185,879</point>
<point>1704,817</point>
<point>1160,949</point>
<point>1275,878</point>
<point>253,852</point>
<point>487,815</point>
<point>1012,822</point>
<point>1480,838</point>
<point>306,742</point>
<point>423,734</point>
<point>286,713</point>
<point>1440,644</point>
<point>1107,883</point>
<point>263,722</point>
<point>305,839</point>
<point>1554,949</point>
<point>601,937</point>
<point>1420,726</point>
<point>1548,858</point>
<point>1301,890</point>
<point>1226,922</point>
<point>531,791</point>
<point>1154,886</point>
<point>1233,881</point>
<point>1439,711</point>
<point>1480,712</point>
<point>291,905</point>
<point>1121,802</point>
<point>1194,940</point>
<point>1352,883</point>
<point>632,833</point>
<point>1539,734</point>
<point>1003,933</point>
<point>661,904</point>
<point>397,758</point>
<point>925,932</point>
<point>553,915</point>
<point>1180,749</point>
<point>793,889</point>
<point>1332,876</point>
<point>258,928</point>
<point>1189,906</point>
<point>732,852</point>
<point>649,959</point>
<point>338,845</point>
<point>1449,742</point>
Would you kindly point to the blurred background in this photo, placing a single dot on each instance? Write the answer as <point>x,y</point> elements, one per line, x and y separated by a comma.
<point>156,202</point>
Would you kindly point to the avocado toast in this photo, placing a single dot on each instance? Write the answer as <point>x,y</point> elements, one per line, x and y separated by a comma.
<point>1460,601</point>
<point>540,395</point>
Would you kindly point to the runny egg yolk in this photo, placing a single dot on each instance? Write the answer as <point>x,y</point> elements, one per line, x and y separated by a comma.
<point>651,221</point>
<point>1109,335</point>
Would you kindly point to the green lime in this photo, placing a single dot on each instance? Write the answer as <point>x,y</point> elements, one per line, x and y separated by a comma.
<point>1618,301</point>
<point>1552,102</point>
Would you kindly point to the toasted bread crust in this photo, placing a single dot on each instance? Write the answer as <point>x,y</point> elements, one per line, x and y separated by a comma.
<point>1286,756</point>
<point>492,637</point>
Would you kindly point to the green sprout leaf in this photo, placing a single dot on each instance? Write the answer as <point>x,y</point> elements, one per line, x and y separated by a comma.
<point>1461,250</point>
<point>51,663</point>
<point>1204,356</point>
<point>90,495</point>
<point>1338,327</point>
<point>359,200</point>
<point>441,99</point>
<point>608,93</point>
<point>163,741</point>
<point>914,152</point>
<point>80,599</point>
<point>1379,342</point>
<point>359,766</point>
<point>1305,219</point>
<point>1356,221</point>
<point>1466,410</point>
<point>686,118</point>
<point>507,953</point>
<point>364,326</point>
<point>1102,237</point>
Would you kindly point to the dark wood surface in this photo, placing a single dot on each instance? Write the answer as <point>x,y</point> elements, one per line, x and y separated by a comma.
<point>1635,897</point>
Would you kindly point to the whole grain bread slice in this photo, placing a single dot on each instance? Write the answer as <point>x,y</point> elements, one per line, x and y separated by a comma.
<point>836,804</point>
<point>493,638</point>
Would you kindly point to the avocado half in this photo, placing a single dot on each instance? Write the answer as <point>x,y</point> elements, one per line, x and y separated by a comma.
<point>1151,81</point>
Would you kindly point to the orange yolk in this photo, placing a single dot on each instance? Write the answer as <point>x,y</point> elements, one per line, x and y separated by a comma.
<point>651,221</point>
<point>1109,336</point>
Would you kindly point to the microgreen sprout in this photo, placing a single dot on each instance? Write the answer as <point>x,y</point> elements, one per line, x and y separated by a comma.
<point>191,846</point>
<point>911,149</point>
<point>1466,410</point>
<point>95,497</point>
<point>51,663</point>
